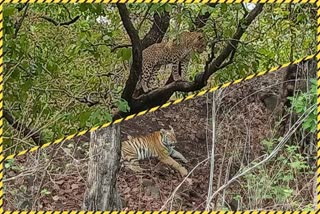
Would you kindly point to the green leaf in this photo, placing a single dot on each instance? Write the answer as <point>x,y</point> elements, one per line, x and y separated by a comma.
<point>154,7</point>
<point>84,6</point>
<point>123,105</point>
<point>168,8</point>
<point>9,10</point>
<point>51,66</point>
<point>106,37</point>
<point>107,117</point>
<point>224,7</point>
<point>204,10</point>
<point>125,53</point>
<point>45,192</point>
<point>9,163</point>
<point>26,85</point>
<point>83,117</point>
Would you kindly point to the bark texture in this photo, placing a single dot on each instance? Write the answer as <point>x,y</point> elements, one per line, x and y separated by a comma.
<point>101,193</point>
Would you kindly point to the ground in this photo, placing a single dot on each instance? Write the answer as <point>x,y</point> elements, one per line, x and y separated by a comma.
<point>54,178</point>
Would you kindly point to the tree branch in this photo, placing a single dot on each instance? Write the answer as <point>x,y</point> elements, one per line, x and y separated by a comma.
<point>158,29</point>
<point>120,46</point>
<point>18,24</point>
<point>161,95</point>
<point>27,132</point>
<point>136,67</point>
<point>144,17</point>
<point>87,101</point>
<point>230,61</point>
<point>201,20</point>
<point>49,19</point>
<point>213,66</point>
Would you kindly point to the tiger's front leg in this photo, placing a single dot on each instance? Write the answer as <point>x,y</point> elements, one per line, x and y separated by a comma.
<point>171,162</point>
<point>178,155</point>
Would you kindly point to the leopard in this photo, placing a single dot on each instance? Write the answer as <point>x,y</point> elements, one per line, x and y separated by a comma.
<point>176,52</point>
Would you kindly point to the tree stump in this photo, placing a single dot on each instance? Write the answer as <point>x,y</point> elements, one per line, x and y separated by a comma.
<point>104,160</point>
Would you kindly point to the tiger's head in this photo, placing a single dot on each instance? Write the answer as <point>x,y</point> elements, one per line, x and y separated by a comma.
<point>168,137</point>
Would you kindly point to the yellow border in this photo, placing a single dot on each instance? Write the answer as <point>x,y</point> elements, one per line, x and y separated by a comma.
<point>201,93</point>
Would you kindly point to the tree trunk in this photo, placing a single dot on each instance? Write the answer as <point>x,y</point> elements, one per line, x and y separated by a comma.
<point>104,159</point>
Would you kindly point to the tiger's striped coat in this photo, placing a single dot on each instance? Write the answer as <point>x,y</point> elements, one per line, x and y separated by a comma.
<point>159,144</point>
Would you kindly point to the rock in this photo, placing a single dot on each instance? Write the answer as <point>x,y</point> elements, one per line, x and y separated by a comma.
<point>150,188</point>
<point>153,191</point>
<point>271,101</point>
<point>147,182</point>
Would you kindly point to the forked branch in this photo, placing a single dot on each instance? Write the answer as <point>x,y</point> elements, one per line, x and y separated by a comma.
<point>161,95</point>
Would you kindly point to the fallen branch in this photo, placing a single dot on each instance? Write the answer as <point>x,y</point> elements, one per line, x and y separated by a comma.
<point>87,100</point>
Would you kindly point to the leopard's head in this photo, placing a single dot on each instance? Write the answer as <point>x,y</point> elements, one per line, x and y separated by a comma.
<point>194,40</point>
<point>168,137</point>
<point>199,42</point>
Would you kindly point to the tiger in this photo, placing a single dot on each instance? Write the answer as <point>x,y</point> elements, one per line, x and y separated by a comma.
<point>159,144</point>
<point>177,52</point>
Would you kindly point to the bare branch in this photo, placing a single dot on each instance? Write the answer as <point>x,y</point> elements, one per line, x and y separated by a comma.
<point>113,47</point>
<point>49,19</point>
<point>232,45</point>
<point>125,18</point>
<point>18,24</point>
<point>230,61</point>
<point>120,46</point>
<point>87,100</point>
<point>201,20</point>
<point>144,17</point>
<point>26,131</point>
<point>65,7</point>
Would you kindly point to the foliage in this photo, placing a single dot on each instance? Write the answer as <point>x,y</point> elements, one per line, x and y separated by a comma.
<point>63,78</point>
<point>11,164</point>
<point>276,181</point>
<point>304,101</point>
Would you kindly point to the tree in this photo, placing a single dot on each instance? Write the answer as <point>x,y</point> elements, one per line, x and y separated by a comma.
<point>30,65</point>
<point>161,95</point>
<point>97,169</point>
<point>101,193</point>
<point>57,95</point>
